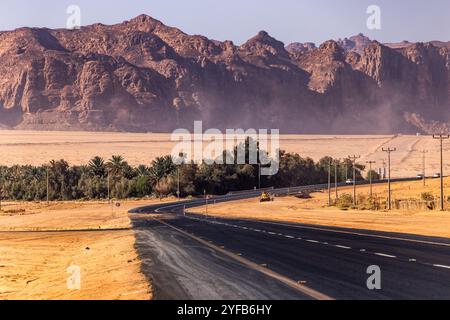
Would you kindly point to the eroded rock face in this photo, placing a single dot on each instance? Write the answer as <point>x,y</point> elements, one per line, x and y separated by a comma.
<point>141,75</point>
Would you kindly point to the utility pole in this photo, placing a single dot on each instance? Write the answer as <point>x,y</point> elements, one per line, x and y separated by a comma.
<point>389,151</point>
<point>109,187</point>
<point>424,152</point>
<point>336,164</point>
<point>181,155</point>
<point>206,203</point>
<point>346,171</point>
<point>353,160</point>
<point>329,183</point>
<point>441,138</point>
<point>178,183</point>
<point>48,197</point>
<point>370,163</point>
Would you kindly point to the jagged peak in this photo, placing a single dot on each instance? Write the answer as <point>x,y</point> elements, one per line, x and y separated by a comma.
<point>265,38</point>
<point>330,45</point>
<point>144,18</point>
<point>298,47</point>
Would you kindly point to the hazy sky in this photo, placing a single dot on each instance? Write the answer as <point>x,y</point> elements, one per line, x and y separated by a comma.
<point>238,20</point>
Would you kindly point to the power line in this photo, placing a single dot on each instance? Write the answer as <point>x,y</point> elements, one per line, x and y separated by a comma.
<point>441,138</point>
<point>389,151</point>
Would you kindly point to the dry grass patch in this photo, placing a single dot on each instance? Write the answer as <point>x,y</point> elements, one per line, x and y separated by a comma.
<point>33,265</point>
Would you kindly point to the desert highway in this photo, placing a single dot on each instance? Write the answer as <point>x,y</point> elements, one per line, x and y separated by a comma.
<point>200,257</point>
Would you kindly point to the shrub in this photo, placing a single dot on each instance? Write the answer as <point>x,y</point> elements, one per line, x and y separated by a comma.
<point>345,201</point>
<point>427,196</point>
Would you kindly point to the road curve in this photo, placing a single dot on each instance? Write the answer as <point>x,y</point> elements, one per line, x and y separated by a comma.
<point>198,257</point>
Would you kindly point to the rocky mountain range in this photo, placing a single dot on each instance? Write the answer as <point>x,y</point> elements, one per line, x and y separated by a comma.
<point>144,76</point>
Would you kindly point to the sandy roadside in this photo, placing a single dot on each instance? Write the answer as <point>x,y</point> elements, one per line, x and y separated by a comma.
<point>37,265</point>
<point>314,211</point>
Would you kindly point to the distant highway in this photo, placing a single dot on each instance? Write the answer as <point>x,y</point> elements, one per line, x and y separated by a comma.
<point>199,257</point>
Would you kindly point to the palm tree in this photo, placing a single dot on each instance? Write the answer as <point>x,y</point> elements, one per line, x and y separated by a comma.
<point>97,167</point>
<point>142,171</point>
<point>116,165</point>
<point>161,168</point>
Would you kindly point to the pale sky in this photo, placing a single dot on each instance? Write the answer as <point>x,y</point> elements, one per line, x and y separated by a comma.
<point>238,20</point>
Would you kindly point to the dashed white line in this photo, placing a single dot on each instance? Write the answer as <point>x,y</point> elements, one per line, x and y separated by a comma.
<point>343,247</point>
<point>385,255</point>
<point>441,266</point>
<point>324,243</point>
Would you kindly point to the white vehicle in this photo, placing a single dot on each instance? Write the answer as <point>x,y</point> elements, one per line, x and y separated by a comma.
<point>420,176</point>
<point>349,181</point>
<point>436,175</point>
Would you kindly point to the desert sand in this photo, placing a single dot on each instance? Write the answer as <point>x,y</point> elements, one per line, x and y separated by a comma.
<point>36,148</point>
<point>34,265</point>
<point>314,211</point>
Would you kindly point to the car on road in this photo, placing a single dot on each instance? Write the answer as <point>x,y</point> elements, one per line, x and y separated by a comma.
<point>436,175</point>
<point>420,176</point>
<point>349,181</point>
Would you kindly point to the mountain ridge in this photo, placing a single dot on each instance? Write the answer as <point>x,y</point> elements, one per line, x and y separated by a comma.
<point>141,75</point>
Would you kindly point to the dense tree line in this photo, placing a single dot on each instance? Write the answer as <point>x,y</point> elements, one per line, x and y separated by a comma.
<point>160,178</point>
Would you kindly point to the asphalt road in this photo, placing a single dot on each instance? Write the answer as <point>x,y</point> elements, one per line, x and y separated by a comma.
<point>198,257</point>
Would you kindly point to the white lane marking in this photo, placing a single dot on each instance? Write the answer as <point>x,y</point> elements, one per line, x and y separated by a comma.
<point>384,255</point>
<point>325,243</point>
<point>356,233</point>
<point>441,266</point>
<point>343,247</point>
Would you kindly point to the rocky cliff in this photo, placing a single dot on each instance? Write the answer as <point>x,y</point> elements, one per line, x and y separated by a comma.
<point>141,75</point>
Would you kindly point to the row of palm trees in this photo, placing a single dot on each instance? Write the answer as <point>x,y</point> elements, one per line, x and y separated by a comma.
<point>99,179</point>
<point>118,167</point>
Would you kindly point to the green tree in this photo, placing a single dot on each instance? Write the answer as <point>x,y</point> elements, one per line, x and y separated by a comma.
<point>97,167</point>
<point>161,167</point>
